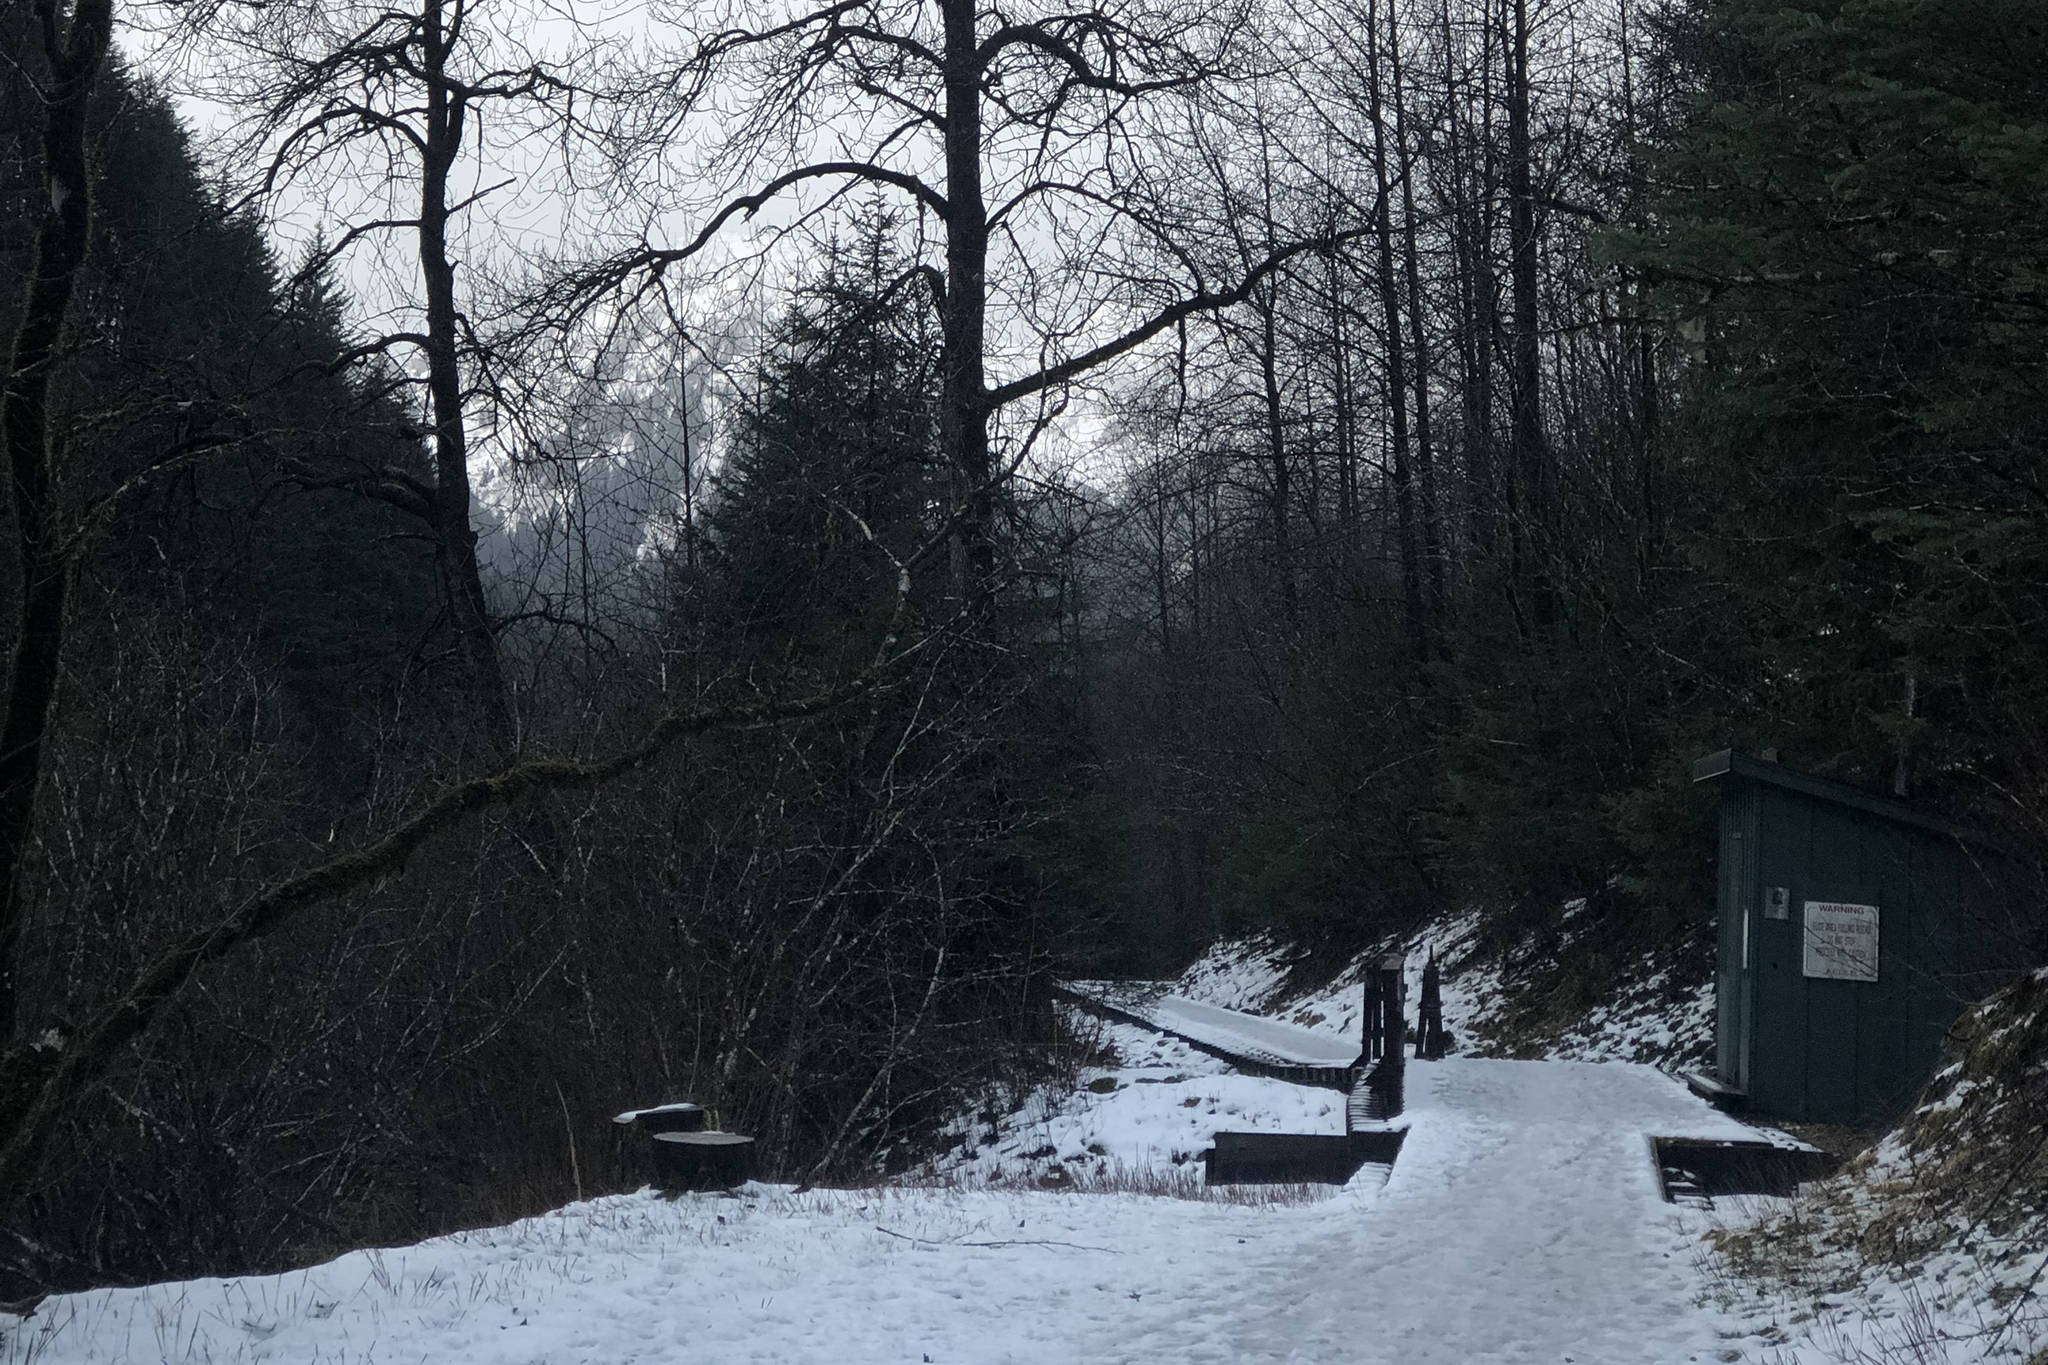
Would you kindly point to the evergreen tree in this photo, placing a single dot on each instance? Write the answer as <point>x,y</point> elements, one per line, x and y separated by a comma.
<point>839,443</point>
<point>203,420</point>
<point>1851,229</point>
<point>229,621</point>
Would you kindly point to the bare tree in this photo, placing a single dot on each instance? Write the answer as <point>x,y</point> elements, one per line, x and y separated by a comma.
<point>1531,477</point>
<point>1028,140</point>
<point>1382,89</point>
<point>390,118</point>
<point>40,1083</point>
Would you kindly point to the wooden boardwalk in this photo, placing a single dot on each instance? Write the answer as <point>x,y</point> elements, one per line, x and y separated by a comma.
<point>1271,1047</point>
<point>1252,1043</point>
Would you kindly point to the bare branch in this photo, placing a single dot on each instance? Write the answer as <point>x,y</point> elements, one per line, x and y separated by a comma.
<point>1203,301</point>
<point>35,1090</point>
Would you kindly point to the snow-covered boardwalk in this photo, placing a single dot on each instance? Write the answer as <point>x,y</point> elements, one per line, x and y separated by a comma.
<point>1522,1224</point>
<point>1251,1037</point>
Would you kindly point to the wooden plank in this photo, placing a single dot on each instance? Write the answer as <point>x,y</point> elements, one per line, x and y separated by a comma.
<point>1719,1166</point>
<point>1296,1158</point>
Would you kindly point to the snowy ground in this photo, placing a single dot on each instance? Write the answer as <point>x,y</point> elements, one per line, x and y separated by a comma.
<point>1973,1303</point>
<point>1932,1246</point>
<point>1133,1125</point>
<point>1522,1224</point>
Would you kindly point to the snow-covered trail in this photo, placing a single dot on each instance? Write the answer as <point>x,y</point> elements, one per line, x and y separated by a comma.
<point>1522,1223</point>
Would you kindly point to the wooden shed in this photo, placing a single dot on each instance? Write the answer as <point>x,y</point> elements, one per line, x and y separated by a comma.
<point>1853,929</point>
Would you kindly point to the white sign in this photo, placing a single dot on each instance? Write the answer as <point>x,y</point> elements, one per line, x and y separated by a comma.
<point>1841,941</point>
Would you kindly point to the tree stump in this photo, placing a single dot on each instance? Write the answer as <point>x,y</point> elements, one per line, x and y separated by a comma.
<point>702,1160</point>
<point>637,1129</point>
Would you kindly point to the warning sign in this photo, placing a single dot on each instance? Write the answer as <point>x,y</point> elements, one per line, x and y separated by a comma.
<point>1841,941</point>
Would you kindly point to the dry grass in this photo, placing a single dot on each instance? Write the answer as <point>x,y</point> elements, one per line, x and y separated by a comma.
<point>1945,1219</point>
<point>1161,1182</point>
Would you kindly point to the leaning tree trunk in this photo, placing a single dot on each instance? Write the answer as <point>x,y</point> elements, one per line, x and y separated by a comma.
<point>74,52</point>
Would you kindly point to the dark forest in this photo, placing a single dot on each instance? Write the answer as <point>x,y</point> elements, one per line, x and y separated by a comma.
<point>944,499</point>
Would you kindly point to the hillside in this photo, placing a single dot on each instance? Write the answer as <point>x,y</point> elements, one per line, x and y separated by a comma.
<point>1554,993</point>
<point>1933,1243</point>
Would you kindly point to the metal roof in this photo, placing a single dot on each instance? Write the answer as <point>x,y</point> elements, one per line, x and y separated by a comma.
<point>1735,763</point>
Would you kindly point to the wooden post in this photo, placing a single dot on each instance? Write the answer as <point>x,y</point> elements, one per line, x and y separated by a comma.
<point>1392,987</point>
<point>1389,1025</point>
<point>1373,1039</point>
<point>1429,1023</point>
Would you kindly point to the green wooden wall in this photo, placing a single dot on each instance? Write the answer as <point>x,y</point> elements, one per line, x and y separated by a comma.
<point>1820,1050</point>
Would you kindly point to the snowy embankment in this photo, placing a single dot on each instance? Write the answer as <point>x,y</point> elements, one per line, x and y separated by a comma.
<point>1653,1016</point>
<point>1138,1124</point>
<point>1933,1246</point>
<point>1257,975</point>
<point>1522,1223</point>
